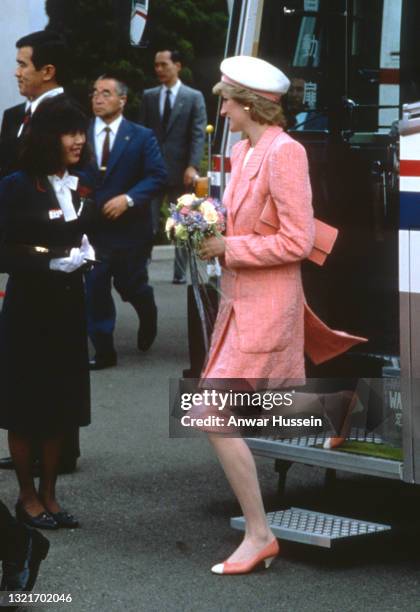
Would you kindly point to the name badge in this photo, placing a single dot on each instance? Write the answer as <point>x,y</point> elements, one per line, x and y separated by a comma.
<point>55,213</point>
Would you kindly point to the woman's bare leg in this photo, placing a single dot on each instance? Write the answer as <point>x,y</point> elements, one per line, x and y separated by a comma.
<point>50,458</point>
<point>21,452</point>
<point>240,469</point>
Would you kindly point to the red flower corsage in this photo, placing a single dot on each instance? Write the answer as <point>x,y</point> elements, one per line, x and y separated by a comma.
<point>84,191</point>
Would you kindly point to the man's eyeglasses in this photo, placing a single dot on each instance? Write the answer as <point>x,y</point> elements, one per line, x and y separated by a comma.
<point>97,94</point>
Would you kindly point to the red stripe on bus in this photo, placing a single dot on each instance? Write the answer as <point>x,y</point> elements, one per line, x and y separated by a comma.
<point>2,294</point>
<point>389,76</point>
<point>217,163</point>
<point>410,167</point>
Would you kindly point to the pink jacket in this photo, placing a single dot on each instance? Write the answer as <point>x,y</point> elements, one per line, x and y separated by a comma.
<point>262,277</point>
<point>267,292</point>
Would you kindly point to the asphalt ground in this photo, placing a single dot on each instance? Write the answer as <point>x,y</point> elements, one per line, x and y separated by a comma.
<point>155,511</point>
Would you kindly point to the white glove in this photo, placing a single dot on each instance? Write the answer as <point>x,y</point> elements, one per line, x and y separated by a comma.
<point>87,249</point>
<point>68,264</point>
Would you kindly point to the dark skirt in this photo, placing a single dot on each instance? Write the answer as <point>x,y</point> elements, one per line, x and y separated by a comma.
<point>44,368</point>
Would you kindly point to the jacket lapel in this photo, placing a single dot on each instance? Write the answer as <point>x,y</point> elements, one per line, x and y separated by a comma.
<point>177,108</point>
<point>238,187</point>
<point>156,121</point>
<point>78,202</point>
<point>91,138</point>
<point>245,175</point>
<point>122,138</point>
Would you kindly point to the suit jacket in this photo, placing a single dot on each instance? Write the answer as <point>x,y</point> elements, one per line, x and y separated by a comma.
<point>9,143</point>
<point>28,218</point>
<point>262,277</point>
<point>43,343</point>
<point>135,168</point>
<point>182,143</point>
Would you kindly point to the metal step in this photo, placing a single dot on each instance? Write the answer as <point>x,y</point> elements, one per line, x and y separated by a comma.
<point>303,450</point>
<point>317,528</point>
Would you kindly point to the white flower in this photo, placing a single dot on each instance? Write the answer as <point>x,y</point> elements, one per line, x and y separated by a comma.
<point>181,232</point>
<point>185,200</point>
<point>170,223</point>
<point>209,212</point>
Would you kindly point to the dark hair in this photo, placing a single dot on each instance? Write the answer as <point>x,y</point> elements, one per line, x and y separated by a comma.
<point>48,47</point>
<point>175,55</point>
<point>122,88</point>
<point>41,152</point>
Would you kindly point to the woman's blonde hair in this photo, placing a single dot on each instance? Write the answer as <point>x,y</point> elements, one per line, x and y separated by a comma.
<point>261,110</point>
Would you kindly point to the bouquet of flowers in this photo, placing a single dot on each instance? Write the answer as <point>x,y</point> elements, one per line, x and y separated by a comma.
<point>191,219</point>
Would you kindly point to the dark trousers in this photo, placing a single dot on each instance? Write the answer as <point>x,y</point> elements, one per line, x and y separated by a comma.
<point>127,268</point>
<point>13,537</point>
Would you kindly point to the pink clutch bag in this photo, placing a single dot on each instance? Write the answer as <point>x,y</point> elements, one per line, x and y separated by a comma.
<point>325,235</point>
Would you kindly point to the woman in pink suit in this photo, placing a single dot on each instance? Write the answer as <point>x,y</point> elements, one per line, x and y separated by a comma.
<point>259,332</point>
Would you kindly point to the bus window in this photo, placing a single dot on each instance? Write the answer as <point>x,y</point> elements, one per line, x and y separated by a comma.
<point>333,47</point>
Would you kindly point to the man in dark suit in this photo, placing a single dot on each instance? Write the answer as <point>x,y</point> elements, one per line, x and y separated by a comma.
<point>177,115</point>
<point>128,171</point>
<point>42,59</point>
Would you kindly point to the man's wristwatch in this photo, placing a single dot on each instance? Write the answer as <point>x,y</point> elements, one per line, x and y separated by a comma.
<point>130,201</point>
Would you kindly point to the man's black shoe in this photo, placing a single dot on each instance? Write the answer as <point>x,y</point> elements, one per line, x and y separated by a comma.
<point>100,362</point>
<point>21,576</point>
<point>148,328</point>
<point>6,463</point>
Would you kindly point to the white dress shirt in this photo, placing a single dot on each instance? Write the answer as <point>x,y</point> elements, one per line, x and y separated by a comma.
<point>62,187</point>
<point>247,156</point>
<point>100,133</point>
<point>162,95</point>
<point>35,103</point>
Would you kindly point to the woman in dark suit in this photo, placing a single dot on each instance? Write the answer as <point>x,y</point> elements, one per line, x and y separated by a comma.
<point>44,377</point>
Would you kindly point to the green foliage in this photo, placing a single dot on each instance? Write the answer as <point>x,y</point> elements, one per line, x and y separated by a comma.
<point>98,36</point>
<point>197,28</point>
<point>98,43</point>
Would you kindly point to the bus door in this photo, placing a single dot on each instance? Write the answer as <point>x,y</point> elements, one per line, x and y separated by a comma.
<point>342,57</point>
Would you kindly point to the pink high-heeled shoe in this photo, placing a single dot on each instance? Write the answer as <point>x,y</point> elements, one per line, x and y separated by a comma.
<point>336,441</point>
<point>266,555</point>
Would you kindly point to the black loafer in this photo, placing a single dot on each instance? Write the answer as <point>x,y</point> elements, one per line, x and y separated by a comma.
<point>21,575</point>
<point>44,520</point>
<point>65,519</point>
<point>100,362</point>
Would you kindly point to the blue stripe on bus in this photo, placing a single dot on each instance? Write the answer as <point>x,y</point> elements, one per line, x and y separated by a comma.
<point>215,191</point>
<point>409,210</point>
